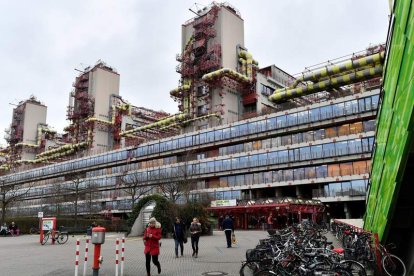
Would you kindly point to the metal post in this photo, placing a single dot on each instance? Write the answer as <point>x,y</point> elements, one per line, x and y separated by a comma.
<point>77,257</point>
<point>122,256</point>
<point>116,256</point>
<point>85,264</point>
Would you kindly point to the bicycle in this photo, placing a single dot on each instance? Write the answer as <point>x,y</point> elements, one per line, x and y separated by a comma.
<point>391,264</point>
<point>34,230</point>
<point>60,236</point>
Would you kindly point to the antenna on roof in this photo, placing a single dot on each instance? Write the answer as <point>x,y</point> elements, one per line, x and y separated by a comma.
<point>198,9</point>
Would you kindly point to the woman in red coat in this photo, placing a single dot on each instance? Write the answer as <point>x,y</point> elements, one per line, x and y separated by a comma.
<point>152,235</point>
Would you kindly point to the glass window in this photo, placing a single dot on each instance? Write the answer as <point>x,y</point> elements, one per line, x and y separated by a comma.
<point>271,123</point>
<point>286,140</point>
<point>303,117</point>
<point>276,142</point>
<point>254,160</point>
<point>240,180</point>
<point>235,163</point>
<point>232,181</point>
<point>316,151</point>
<point>354,146</point>
<point>272,157</point>
<point>218,135</point>
<point>252,127</point>
<point>365,145</point>
<point>262,159</point>
<point>299,174</point>
<point>361,105</point>
<point>351,107</point>
<point>371,143</point>
<point>305,153</point>
<point>243,129</point>
<point>226,133</point>
<point>319,134</point>
<point>268,177</point>
<point>374,101</point>
<point>227,164</point>
<point>310,172</point>
<point>236,194</point>
<point>325,112</point>
<point>369,125</point>
<point>328,149</point>
<point>338,109</point>
<point>281,121</point>
<point>283,156</point>
<point>308,136</point>
<point>244,162</point>
<point>341,148</point>
<point>291,119</point>
<point>258,178</point>
<point>346,188</point>
<point>288,175</point>
<point>358,188</point>
<point>297,138</point>
<point>249,179</point>
<point>227,195</point>
<point>314,114</point>
<point>335,189</point>
<point>203,138</point>
<point>210,136</point>
<point>277,176</point>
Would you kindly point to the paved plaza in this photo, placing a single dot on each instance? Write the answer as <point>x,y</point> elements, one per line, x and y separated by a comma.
<point>25,256</point>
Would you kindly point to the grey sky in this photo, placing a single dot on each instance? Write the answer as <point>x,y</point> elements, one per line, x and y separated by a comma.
<point>43,41</point>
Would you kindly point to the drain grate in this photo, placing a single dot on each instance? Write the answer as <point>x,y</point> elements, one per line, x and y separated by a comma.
<point>214,273</point>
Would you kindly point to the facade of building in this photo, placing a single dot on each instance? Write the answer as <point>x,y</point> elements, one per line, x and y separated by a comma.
<point>243,136</point>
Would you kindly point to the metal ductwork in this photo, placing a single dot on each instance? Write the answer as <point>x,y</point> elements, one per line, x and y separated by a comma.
<point>282,95</point>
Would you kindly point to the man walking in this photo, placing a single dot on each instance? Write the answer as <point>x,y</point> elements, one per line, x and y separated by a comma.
<point>228,228</point>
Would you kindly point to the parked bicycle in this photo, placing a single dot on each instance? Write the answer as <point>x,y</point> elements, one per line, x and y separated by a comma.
<point>60,236</point>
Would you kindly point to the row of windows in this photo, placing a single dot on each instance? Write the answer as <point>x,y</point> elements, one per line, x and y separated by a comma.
<point>278,122</point>
<point>296,138</point>
<point>323,171</point>
<point>348,188</point>
<point>332,149</point>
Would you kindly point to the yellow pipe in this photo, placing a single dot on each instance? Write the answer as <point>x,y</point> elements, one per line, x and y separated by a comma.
<point>175,92</point>
<point>192,120</point>
<point>339,68</point>
<point>40,129</point>
<point>243,65</point>
<point>160,123</point>
<point>281,95</point>
<point>226,72</point>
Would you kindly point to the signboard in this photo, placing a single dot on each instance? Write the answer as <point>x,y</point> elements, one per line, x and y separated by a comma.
<point>224,202</point>
<point>47,225</point>
<point>40,214</point>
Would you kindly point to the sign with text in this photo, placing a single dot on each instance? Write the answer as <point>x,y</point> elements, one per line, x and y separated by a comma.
<point>47,225</point>
<point>40,214</point>
<point>224,202</point>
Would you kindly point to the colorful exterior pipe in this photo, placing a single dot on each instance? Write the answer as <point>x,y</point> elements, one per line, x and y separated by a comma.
<point>339,68</point>
<point>63,149</point>
<point>282,95</point>
<point>160,123</point>
<point>175,92</point>
<point>40,129</point>
<point>192,120</point>
<point>226,72</point>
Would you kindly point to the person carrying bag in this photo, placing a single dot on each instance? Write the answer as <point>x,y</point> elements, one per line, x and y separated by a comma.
<point>152,236</point>
<point>179,236</point>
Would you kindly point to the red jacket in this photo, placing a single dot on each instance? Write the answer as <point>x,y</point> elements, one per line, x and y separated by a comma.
<point>152,244</point>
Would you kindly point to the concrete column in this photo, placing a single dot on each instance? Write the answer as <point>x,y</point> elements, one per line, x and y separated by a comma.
<point>346,211</point>
<point>250,195</point>
<point>278,192</point>
<point>298,192</point>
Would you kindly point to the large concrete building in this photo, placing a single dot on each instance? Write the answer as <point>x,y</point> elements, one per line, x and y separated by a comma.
<point>249,135</point>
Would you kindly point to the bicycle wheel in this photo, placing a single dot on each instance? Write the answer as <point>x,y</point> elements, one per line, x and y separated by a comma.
<point>62,238</point>
<point>393,265</point>
<point>45,238</point>
<point>248,269</point>
<point>354,267</point>
<point>33,230</point>
<point>265,272</point>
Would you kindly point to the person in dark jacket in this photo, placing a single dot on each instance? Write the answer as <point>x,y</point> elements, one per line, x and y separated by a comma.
<point>195,230</point>
<point>179,236</point>
<point>152,236</point>
<point>228,228</point>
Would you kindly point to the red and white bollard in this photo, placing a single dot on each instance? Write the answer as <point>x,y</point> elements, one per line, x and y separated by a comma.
<point>116,257</point>
<point>85,264</point>
<point>77,257</point>
<point>122,256</point>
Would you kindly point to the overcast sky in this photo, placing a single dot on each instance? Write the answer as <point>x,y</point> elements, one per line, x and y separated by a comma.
<point>43,41</point>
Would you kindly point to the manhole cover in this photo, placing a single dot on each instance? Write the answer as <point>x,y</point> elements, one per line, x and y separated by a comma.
<point>214,273</point>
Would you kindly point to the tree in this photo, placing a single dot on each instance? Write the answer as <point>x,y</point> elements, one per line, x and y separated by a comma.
<point>134,187</point>
<point>75,190</point>
<point>9,194</point>
<point>180,182</point>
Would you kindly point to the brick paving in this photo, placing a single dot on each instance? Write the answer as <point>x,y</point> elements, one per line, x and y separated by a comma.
<point>25,256</point>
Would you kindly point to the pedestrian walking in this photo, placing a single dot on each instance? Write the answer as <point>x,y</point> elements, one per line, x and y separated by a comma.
<point>195,230</point>
<point>270,222</point>
<point>179,236</point>
<point>152,236</point>
<point>228,227</point>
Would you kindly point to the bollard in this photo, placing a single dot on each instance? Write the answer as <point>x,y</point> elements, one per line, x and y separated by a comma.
<point>116,256</point>
<point>122,256</point>
<point>77,257</point>
<point>85,264</point>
